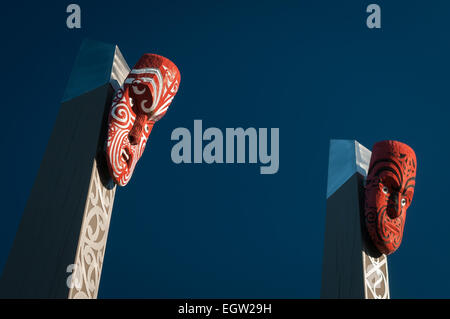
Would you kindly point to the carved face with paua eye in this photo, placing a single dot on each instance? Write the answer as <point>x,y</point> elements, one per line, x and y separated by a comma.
<point>388,193</point>
<point>142,100</point>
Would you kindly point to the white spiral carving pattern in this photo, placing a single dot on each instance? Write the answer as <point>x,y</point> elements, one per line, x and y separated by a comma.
<point>376,279</point>
<point>92,241</point>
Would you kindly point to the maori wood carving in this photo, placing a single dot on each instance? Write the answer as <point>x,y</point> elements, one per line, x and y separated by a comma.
<point>388,193</point>
<point>137,105</point>
<point>142,100</point>
<point>92,240</point>
<point>376,279</point>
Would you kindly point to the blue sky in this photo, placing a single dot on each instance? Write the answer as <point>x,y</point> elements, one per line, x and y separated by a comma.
<point>312,69</point>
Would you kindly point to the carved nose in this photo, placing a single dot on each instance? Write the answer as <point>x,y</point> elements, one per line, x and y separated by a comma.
<point>396,206</point>
<point>132,138</point>
<point>136,132</point>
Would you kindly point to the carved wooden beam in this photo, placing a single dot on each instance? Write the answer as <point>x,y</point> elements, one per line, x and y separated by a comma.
<point>60,244</point>
<point>352,267</point>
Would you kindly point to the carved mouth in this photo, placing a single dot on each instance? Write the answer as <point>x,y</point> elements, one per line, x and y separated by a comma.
<point>126,156</point>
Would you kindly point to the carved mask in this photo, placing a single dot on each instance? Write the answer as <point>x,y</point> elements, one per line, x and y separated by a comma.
<point>142,100</point>
<point>388,193</point>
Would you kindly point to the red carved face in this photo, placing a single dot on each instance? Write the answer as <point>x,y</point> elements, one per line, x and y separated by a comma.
<point>389,191</point>
<point>144,98</point>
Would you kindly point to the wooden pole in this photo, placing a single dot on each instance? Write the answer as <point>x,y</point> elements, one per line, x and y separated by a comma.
<point>60,243</point>
<point>352,267</point>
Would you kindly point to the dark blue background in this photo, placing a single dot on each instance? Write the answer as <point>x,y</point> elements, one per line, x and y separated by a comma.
<point>311,68</point>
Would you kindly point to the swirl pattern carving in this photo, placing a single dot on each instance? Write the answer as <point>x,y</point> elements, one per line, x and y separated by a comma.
<point>376,280</point>
<point>92,241</point>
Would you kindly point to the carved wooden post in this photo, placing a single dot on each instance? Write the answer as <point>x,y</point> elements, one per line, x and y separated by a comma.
<point>62,236</point>
<point>352,267</point>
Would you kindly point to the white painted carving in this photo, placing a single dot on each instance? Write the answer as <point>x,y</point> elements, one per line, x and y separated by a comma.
<point>376,279</point>
<point>92,241</point>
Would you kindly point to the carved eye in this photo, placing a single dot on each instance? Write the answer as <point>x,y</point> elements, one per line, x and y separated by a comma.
<point>385,190</point>
<point>403,202</point>
<point>146,128</point>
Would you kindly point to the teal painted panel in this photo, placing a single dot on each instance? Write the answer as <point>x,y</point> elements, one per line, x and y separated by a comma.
<point>92,68</point>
